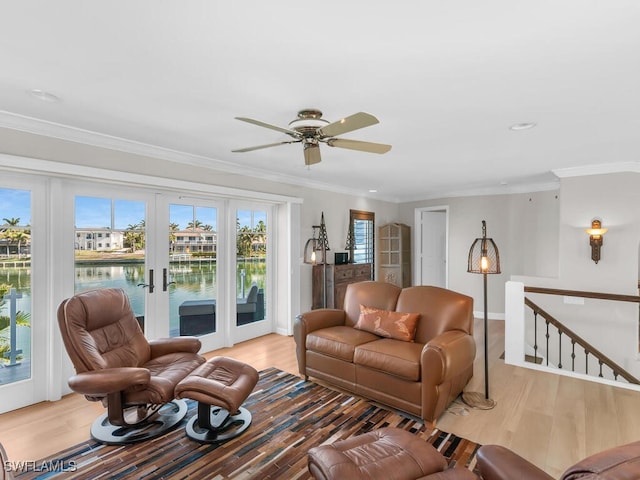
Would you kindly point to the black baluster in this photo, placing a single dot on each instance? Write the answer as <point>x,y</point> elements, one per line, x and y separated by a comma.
<point>586,362</point>
<point>547,335</point>
<point>559,349</point>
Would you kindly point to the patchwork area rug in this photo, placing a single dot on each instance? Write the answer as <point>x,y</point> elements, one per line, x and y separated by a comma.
<point>289,417</point>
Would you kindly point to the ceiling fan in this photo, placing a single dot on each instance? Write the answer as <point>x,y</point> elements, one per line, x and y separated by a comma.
<point>311,129</point>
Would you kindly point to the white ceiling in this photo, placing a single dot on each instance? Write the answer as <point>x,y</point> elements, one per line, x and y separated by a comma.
<point>446,79</point>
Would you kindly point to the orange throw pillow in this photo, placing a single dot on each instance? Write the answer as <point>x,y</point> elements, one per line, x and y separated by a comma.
<point>397,325</point>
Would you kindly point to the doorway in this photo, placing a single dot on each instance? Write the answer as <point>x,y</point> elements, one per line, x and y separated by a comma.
<point>431,246</point>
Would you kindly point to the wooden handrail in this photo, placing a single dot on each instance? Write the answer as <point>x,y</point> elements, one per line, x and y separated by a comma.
<point>588,348</point>
<point>577,293</point>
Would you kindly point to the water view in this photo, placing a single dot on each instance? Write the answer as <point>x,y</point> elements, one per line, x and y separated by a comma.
<point>194,280</point>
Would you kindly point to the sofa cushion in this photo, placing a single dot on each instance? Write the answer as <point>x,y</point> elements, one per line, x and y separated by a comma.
<point>398,325</point>
<point>339,341</point>
<point>393,356</point>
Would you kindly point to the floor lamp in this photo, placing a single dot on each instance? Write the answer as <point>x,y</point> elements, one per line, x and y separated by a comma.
<point>485,259</point>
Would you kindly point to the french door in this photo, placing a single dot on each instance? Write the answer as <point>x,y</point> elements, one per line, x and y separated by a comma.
<point>23,292</point>
<point>188,265</point>
<point>252,254</point>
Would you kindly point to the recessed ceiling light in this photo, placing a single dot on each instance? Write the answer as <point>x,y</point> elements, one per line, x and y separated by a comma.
<point>43,96</point>
<point>373,190</point>
<point>522,126</point>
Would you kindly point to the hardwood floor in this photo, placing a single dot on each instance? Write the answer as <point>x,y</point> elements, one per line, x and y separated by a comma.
<point>551,420</point>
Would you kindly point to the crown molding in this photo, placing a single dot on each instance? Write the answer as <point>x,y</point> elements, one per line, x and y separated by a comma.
<point>87,137</point>
<point>600,169</point>
<point>78,135</point>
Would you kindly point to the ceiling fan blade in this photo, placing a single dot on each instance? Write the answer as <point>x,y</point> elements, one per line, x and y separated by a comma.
<point>293,133</point>
<point>358,145</point>
<point>311,154</point>
<point>348,124</point>
<point>258,147</point>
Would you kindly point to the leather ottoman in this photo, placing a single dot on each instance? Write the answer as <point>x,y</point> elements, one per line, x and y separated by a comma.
<point>220,386</point>
<point>385,454</point>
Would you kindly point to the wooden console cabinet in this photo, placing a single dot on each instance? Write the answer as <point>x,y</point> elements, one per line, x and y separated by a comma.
<point>337,279</point>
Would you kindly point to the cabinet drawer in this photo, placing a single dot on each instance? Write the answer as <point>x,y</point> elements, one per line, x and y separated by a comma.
<point>363,272</point>
<point>344,274</point>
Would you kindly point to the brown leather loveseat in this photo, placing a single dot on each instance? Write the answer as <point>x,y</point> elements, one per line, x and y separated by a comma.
<point>369,348</point>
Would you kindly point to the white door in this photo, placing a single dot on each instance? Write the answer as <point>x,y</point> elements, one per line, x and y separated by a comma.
<point>159,248</point>
<point>432,245</point>
<point>191,300</point>
<point>24,318</point>
<point>251,277</point>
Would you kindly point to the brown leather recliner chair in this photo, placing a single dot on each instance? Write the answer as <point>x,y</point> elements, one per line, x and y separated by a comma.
<point>619,463</point>
<point>115,364</point>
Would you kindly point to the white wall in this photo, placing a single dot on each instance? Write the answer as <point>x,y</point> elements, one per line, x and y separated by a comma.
<point>610,326</point>
<point>523,226</point>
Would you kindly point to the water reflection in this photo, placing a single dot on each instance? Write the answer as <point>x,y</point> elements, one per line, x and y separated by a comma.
<point>193,281</point>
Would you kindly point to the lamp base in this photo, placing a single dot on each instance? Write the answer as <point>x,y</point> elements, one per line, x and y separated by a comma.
<point>478,400</point>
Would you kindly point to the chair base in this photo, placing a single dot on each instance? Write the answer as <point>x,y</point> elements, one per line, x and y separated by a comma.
<point>165,419</point>
<point>220,426</point>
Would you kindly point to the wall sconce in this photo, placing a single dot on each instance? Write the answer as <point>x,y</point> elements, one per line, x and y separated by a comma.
<point>596,235</point>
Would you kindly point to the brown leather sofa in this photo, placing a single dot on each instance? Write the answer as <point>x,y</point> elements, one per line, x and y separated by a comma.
<point>421,377</point>
<point>618,463</point>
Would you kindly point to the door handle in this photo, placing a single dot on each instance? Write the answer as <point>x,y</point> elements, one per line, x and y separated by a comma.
<point>165,283</point>
<point>150,284</point>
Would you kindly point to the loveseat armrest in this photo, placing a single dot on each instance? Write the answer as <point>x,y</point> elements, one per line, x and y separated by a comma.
<point>446,365</point>
<point>165,346</point>
<point>97,383</point>
<point>307,322</point>
<point>499,463</point>
<point>320,318</point>
<point>447,355</point>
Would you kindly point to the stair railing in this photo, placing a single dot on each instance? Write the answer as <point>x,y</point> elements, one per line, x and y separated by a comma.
<point>602,359</point>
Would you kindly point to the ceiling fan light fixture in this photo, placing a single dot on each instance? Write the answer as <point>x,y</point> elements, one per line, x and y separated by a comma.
<point>308,121</point>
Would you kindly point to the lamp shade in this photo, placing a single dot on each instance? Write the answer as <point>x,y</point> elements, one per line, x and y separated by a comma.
<point>483,254</point>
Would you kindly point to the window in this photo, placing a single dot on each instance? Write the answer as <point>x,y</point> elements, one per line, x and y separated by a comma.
<point>362,226</point>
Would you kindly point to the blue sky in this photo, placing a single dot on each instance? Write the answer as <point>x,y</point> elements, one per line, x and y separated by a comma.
<point>15,204</point>
<point>95,212</point>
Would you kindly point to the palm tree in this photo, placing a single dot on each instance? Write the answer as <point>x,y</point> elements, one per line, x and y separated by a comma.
<point>11,222</point>
<point>14,235</point>
<point>134,236</point>
<point>195,224</point>
<point>173,228</point>
<point>18,236</point>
